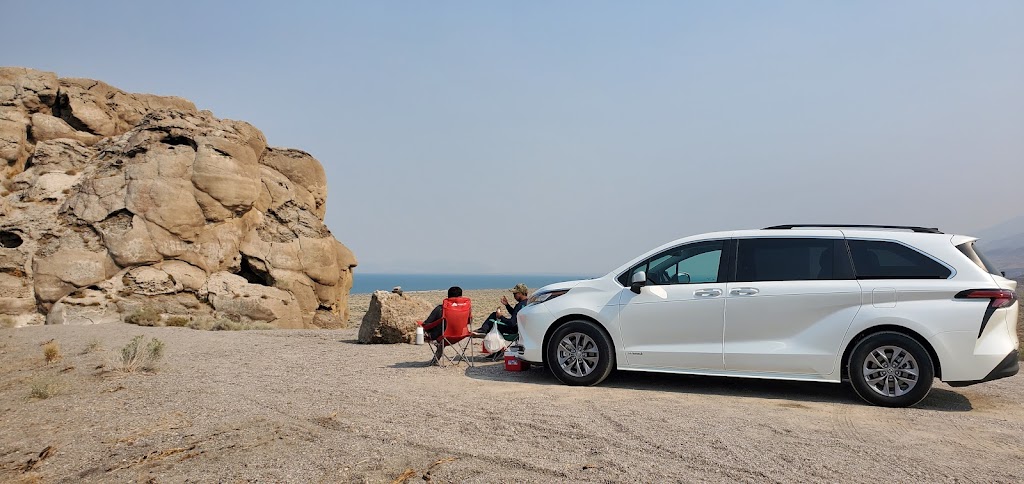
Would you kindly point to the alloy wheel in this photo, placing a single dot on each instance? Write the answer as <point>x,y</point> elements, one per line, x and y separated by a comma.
<point>890,371</point>
<point>577,354</point>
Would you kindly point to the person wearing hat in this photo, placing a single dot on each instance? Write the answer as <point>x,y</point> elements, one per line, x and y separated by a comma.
<point>509,325</point>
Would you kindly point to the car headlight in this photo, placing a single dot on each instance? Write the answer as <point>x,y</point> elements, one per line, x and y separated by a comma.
<point>544,296</point>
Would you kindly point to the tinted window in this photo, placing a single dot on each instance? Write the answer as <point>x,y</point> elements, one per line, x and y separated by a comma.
<point>688,264</point>
<point>796,259</point>
<point>876,259</point>
<point>972,252</point>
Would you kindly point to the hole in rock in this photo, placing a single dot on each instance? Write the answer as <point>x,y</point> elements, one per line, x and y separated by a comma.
<point>9,240</point>
<point>254,274</point>
<point>179,141</point>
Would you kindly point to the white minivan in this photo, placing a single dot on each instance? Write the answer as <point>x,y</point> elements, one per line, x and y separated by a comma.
<point>887,308</point>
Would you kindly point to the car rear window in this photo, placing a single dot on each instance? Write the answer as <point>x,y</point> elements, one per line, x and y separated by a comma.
<point>974,253</point>
<point>880,259</point>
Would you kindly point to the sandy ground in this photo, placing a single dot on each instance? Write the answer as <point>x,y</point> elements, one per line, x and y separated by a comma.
<point>314,406</point>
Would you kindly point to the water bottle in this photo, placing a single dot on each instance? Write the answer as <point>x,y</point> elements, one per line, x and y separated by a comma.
<point>419,334</point>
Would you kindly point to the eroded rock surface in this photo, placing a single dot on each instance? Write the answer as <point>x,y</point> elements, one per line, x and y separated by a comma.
<point>391,318</point>
<point>113,201</point>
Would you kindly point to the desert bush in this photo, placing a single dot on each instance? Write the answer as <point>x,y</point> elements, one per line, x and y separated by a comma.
<point>224,324</point>
<point>7,322</point>
<point>229,325</point>
<point>45,387</point>
<point>134,356</point>
<point>92,346</point>
<point>71,172</point>
<point>177,321</point>
<point>51,351</point>
<point>144,316</point>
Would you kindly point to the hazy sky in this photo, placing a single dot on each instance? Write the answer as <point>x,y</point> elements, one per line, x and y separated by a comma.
<point>569,137</point>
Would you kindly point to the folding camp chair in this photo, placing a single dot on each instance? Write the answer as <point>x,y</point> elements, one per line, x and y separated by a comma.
<point>455,318</point>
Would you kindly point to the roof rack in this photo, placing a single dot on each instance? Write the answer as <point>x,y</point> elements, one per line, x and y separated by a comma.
<point>923,230</point>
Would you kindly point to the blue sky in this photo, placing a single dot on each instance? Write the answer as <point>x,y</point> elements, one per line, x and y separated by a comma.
<point>568,137</point>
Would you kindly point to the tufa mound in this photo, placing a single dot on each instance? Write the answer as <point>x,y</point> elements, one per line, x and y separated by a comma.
<point>116,202</point>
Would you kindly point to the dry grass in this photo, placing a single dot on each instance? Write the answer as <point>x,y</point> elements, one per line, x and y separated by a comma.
<point>224,324</point>
<point>1020,330</point>
<point>7,322</point>
<point>51,351</point>
<point>177,321</point>
<point>92,346</point>
<point>134,356</point>
<point>46,387</point>
<point>144,316</point>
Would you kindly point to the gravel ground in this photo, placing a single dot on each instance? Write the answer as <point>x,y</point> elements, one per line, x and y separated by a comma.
<point>314,406</point>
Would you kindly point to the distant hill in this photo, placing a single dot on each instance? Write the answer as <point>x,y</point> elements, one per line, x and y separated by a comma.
<point>1004,245</point>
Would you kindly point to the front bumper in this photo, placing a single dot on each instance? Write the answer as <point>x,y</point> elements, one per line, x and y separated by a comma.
<point>1009,366</point>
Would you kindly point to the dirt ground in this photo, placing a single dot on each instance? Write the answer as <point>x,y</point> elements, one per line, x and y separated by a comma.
<point>315,406</point>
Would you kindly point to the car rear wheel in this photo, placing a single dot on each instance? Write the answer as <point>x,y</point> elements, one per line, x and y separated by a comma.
<point>891,370</point>
<point>580,353</point>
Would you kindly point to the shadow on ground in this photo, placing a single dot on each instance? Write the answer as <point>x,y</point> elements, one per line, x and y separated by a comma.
<point>940,399</point>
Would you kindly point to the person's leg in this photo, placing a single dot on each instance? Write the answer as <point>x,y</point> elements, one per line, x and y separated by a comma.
<point>486,327</point>
<point>438,353</point>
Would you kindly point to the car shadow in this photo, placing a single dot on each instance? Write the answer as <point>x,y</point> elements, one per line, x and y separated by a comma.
<point>939,399</point>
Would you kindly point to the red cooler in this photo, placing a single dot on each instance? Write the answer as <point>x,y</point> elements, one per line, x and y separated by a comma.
<point>513,363</point>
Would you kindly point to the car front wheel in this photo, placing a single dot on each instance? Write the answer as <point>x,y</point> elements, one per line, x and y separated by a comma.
<point>891,370</point>
<point>580,353</point>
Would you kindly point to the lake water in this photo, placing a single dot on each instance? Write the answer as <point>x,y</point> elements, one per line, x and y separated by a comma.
<point>367,283</point>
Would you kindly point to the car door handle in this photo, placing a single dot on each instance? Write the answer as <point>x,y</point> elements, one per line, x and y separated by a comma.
<point>707,292</point>
<point>743,291</point>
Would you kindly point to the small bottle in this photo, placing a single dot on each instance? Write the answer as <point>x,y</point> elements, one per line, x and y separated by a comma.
<point>419,334</point>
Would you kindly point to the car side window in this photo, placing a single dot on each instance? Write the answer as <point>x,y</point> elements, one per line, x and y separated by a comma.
<point>693,263</point>
<point>786,259</point>
<point>880,259</point>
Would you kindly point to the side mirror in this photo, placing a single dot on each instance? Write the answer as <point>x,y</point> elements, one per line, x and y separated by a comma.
<point>639,280</point>
<point>683,277</point>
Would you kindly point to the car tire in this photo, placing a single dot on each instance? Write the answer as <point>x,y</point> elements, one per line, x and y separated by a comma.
<point>579,353</point>
<point>891,369</point>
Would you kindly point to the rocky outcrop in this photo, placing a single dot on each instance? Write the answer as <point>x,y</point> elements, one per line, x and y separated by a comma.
<point>144,200</point>
<point>391,318</point>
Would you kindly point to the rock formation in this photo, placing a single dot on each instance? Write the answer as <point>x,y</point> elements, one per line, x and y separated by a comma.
<point>391,318</point>
<point>115,201</point>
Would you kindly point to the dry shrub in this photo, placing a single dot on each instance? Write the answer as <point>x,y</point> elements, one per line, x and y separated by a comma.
<point>224,324</point>
<point>144,316</point>
<point>229,325</point>
<point>7,322</point>
<point>134,356</point>
<point>177,321</point>
<point>92,346</point>
<point>51,351</point>
<point>71,172</point>
<point>45,387</point>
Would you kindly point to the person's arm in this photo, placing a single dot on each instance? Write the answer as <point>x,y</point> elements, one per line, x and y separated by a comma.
<point>512,312</point>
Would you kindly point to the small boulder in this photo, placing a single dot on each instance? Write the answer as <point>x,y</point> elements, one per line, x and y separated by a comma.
<point>391,318</point>
<point>82,307</point>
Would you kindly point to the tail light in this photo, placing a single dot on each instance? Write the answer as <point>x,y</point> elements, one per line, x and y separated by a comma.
<point>998,298</point>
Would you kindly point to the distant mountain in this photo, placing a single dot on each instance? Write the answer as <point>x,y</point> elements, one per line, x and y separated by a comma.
<point>1004,245</point>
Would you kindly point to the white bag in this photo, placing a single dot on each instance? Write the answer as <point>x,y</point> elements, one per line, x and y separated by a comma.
<point>494,341</point>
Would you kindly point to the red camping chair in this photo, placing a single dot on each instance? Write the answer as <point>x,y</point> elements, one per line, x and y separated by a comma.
<point>455,317</point>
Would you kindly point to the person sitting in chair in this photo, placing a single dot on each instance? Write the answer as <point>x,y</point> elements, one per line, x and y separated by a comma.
<point>433,326</point>
<point>509,325</point>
